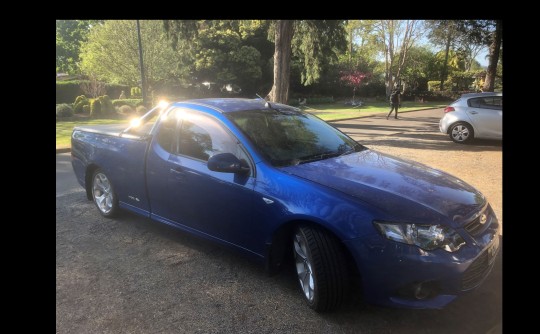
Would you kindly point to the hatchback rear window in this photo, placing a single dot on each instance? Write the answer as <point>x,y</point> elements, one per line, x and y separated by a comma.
<point>489,102</point>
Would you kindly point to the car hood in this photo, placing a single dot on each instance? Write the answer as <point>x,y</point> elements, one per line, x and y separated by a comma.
<point>394,184</point>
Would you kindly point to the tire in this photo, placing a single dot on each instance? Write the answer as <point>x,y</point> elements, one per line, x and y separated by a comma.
<point>321,268</point>
<point>103,194</point>
<point>461,133</point>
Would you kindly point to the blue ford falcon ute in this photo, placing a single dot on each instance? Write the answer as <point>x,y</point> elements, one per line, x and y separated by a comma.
<point>276,183</point>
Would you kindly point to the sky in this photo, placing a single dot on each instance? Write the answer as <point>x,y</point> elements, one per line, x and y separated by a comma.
<point>481,58</point>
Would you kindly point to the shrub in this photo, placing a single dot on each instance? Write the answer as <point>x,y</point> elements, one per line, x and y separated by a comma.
<point>142,110</point>
<point>125,110</point>
<point>95,108</point>
<point>136,91</point>
<point>106,104</point>
<point>130,102</point>
<point>79,103</point>
<point>80,98</point>
<point>64,110</point>
<point>86,108</point>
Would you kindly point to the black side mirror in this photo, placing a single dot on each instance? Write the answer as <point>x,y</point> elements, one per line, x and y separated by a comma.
<point>226,163</point>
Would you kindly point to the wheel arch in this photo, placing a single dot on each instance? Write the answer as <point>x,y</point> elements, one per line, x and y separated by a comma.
<point>90,169</point>
<point>279,249</point>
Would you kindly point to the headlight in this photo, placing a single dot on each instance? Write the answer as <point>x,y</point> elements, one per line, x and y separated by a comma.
<point>428,237</point>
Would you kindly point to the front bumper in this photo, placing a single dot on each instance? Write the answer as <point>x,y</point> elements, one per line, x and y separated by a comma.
<point>396,274</point>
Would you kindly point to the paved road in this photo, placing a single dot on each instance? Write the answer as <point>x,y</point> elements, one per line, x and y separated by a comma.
<point>130,275</point>
<point>65,179</point>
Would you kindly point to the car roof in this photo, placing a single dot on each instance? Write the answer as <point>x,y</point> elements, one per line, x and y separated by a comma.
<point>470,95</point>
<point>225,105</point>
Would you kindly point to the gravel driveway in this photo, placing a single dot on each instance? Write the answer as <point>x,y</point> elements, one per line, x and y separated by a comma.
<point>131,275</point>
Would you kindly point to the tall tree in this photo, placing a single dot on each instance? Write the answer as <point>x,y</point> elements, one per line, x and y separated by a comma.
<point>394,39</point>
<point>284,30</point>
<point>112,53</point>
<point>488,33</point>
<point>223,51</point>
<point>420,68</point>
<point>494,51</point>
<point>445,33</point>
<point>69,36</point>
<point>316,42</point>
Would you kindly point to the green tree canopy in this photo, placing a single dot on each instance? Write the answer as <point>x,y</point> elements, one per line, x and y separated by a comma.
<point>317,44</point>
<point>111,53</point>
<point>69,36</point>
<point>223,51</point>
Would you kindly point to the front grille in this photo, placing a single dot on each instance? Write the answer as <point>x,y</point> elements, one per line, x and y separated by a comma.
<point>475,227</point>
<point>476,272</point>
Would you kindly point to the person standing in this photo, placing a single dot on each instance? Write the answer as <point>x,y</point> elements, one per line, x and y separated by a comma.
<point>395,102</point>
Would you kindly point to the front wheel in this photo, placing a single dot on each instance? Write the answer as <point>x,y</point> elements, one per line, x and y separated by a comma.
<point>321,268</point>
<point>461,133</point>
<point>103,194</point>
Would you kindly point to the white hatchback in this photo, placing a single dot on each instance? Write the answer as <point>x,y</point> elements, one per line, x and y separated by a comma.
<point>476,115</point>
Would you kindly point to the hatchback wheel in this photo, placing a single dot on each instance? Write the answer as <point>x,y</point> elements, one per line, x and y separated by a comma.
<point>321,268</point>
<point>461,133</point>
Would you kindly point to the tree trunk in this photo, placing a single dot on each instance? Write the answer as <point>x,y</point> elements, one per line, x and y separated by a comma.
<point>444,72</point>
<point>282,61</point>
<point>494,49</point>
<point>350,44</point>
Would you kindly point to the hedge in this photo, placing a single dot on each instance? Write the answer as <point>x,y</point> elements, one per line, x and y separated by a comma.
<point>130,102</point>
<point>67,91</point>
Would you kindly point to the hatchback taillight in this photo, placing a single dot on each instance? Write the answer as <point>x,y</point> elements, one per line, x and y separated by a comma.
<point>449,109</point>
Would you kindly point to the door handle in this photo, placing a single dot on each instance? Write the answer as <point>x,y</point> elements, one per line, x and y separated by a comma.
<point>473,112</point>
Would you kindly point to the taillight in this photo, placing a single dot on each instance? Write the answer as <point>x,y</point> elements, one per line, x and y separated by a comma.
<point>449,109</point>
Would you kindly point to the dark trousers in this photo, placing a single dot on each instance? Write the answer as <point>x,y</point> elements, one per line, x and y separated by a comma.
<point>393,107</point>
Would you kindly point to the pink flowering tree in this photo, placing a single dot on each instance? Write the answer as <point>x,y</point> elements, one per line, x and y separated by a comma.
<point>354,79</point>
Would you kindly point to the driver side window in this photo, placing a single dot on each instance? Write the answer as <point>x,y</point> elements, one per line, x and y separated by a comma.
<point>202,136</point>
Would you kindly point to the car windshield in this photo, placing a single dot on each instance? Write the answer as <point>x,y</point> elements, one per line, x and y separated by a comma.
<point>292,137</point>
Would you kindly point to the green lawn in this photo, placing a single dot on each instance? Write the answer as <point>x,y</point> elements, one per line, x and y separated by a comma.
<point>64,129</point>
<point>335,111</point>
<point>328,112</point>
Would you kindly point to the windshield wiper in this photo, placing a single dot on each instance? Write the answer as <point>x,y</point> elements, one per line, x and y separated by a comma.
<point>356,148</point>
<point>317,157</point>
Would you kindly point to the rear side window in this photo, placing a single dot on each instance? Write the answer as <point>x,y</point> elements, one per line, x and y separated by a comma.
<point>488,102</point>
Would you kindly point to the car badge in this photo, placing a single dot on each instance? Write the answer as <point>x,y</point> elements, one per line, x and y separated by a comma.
<point>483,219</point>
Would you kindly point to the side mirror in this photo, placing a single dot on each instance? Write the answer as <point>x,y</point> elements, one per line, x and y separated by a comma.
<point>226,163</point>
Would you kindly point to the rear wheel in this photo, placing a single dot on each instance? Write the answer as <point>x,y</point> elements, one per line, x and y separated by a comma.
<point>461,133</point>
<point>103,194</point>
<point>321,268</point>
